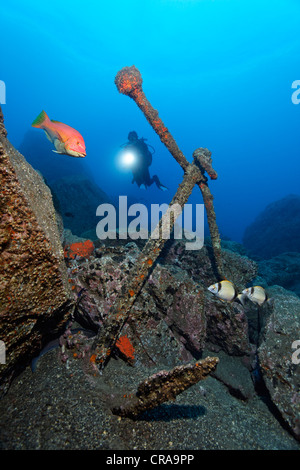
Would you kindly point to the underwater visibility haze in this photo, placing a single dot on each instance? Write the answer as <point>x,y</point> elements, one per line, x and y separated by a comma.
<point>219,72</point>
<point>224,75</point>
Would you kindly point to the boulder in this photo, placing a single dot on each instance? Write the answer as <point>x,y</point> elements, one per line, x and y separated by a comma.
<point>78,198</point>
<point>3,132</point>
<point>276,229</point>
<point>99,281</point>
<point>34,291</point>
<point>199,264</point>
<point>280,372</point>
<point>234,374</point>
<point>282,270</point>
<point>180,302</point>
<point>171,301</point>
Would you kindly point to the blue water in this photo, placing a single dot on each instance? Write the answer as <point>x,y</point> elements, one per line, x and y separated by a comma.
<point>220,73</point>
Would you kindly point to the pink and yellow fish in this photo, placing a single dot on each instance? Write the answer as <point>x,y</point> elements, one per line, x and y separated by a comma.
<point>66,140</point>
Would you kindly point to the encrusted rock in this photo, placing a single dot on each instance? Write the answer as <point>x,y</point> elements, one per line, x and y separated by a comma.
<point>78,198</point>
<point>199,264</point>
<point>227,327</point>
<point>282,270</point>
<point>2,127</point>
<point>34,291</point>
<point>226,323</point>
<point>181,303</point>
<point>234,373</point>
<point>172,303</point>
<point>154,323</point>
<point>280,373</point>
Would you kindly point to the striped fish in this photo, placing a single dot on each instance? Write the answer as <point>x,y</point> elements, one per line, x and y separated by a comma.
<point>224,290</point>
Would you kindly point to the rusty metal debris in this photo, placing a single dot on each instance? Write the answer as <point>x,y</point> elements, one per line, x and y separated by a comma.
<point>164,386</point>
<point>129,82</point>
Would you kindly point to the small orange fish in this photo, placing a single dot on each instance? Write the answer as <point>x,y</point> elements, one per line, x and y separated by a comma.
<point>66,140</point>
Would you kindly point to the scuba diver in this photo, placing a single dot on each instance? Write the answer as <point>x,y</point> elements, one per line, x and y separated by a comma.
<point>139,158</point>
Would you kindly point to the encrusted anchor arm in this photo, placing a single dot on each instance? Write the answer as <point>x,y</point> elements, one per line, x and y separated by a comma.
<point>129,82</point>
<point>164,386</point>
<point>202,158</point>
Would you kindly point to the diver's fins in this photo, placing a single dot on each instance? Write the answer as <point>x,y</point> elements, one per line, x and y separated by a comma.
<point>158,183</point>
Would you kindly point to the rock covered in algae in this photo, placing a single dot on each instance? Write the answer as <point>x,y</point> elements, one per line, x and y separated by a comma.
<point>2,126</point>
<point>160,316</point>
<point>174,308</point>
<point>280,369</point>
<point>34,292</point>
<point>282,270</point>
<point>78,198</point>
<point>164,386</point>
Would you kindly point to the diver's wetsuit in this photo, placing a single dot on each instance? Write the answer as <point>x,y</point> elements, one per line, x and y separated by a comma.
<point>140,171</point>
